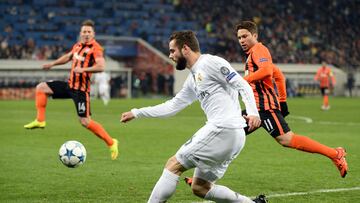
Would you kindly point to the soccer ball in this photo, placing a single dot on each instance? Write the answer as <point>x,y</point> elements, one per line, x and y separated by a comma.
<point>72,154</point>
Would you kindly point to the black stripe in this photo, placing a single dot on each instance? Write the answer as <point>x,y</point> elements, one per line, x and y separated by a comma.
<point>261,96</point>
<point>275,99</point>
<point>254,64</point>
<point>91,63</point>
<point>81,74</point>
<point>74,74</point>
<point>267,95</point>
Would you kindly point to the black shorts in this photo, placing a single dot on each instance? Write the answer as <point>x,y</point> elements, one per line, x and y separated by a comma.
<point>81,99</point>
<point>324,91</point>
<point>272,121</point>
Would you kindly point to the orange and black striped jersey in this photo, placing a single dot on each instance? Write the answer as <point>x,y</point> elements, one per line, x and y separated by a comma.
<point>83,56</point>
<point>323,75</point>
<point>259,73</point>
<point>280,83</point>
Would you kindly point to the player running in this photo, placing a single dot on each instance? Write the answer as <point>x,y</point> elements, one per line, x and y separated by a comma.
<point>87,58</point>
<point>216,85</point>
<point>326,78</point>
<point>258,72</point>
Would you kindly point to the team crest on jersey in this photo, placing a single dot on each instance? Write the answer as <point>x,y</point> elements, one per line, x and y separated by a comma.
<point>198,77</point>
<point>87,50</point>
<point>78,57</point>
<point>224,70</point>
<point>263,60</point>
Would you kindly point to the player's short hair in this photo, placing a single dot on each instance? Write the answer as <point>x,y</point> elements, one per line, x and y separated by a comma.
<point>88,23</point>
<point>248,25</point>
<point>187,37</point>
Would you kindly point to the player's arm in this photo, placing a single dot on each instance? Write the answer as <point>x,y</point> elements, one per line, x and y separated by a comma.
<point>332,77</point>
<point>169,108</point>
<point>317,75</point>
<point>263,60</point>
<point>62,60</point>
<point>280,82</point>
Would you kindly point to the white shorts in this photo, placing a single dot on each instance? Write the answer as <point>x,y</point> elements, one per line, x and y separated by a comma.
<point>211,150</point>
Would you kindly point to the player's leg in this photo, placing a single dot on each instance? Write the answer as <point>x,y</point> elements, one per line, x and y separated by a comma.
<point>204,187</point>
<point>276,125</point>
<point>212,160</point>
<point>325,95</point>
<point>43,90</point>
<point>104,93</point>
<point>82,103</point>
<point>166,185</point>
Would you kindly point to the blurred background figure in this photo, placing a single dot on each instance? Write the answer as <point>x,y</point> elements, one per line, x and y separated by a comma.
<point>326,78</point>
<point>350,82</point>
<point>102,82</point>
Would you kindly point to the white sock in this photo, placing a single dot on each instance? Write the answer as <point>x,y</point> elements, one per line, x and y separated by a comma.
<point>219,193</point>
<point>164,188</point>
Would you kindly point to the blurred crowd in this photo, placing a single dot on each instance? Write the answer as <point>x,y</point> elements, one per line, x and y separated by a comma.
<point>295,31</point>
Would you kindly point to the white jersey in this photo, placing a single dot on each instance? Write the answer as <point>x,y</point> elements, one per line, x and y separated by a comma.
<point>216,85</point>
<point>102,79</point>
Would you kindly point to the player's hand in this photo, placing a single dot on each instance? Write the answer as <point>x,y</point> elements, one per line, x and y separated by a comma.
<point>253,122</point>
<point>284,109</point>
<point>78,70</point>
<point>47,66</point>
<point>127,116</point>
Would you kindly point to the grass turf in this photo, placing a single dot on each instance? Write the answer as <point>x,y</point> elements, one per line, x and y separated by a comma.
<point>30,170</point>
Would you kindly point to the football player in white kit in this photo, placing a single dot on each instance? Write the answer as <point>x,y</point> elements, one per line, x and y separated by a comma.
<point>211,149</point>
<point>102,80</point>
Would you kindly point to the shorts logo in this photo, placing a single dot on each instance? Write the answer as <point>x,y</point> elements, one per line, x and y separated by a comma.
<point>224,70</point>
<point>230,76</point>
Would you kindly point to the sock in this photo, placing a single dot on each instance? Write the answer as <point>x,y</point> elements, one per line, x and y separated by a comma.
<point>164,188</point>
<point>40,103</point>
<point>326,100</point>
<point>99,131</point>
<point>219,193</point>
<point>308,145</point>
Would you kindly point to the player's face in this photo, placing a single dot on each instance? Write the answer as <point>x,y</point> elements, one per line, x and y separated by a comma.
<point>177,56</point>
<point>246,39</point>
<point>86,34</point>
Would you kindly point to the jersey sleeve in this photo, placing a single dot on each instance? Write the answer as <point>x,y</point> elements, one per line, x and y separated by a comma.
<point>317,75</point>
<point>182,99</point>
<point>280,82</point>
<point>262,59</point>
<point>227,74</point>
<point>98,51</point>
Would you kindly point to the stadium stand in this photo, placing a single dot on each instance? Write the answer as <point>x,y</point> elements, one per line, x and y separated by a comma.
<point>296,31</point>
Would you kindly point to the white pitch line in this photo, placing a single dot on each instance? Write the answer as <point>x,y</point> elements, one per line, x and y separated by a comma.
<point>313,192</point>
<point>338,123</point>
<point>310,120</point>
<point>306,119</point>
<point>300,193</point>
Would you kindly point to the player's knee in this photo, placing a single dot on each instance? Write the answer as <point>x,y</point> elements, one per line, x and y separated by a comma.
<point>174,166</point>
<point>284,140</point>
<point>200,187</point>
<point>199,190</point>
<point>41,87</point>
<point>84,121</point>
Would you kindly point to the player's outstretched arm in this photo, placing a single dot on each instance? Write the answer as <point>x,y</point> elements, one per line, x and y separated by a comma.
<point>127,116</point>
<point>62,60</point>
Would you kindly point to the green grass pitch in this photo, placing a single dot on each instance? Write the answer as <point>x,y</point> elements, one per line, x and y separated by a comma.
<point>30,170</point>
